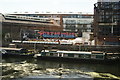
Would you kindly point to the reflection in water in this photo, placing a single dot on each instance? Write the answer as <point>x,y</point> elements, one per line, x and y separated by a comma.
<point>31,68</point>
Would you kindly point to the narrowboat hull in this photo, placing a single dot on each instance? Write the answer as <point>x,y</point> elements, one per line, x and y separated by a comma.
<point>15,52</point>
<point>17,55</point>
<point>78,60</point>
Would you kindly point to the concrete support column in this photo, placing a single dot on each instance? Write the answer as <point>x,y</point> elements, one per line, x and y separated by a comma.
<point>0,43</point>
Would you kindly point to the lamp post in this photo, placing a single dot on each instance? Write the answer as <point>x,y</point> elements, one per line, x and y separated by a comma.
<point>118,41</point>
<point>112,24</point>
<point>104,41</point>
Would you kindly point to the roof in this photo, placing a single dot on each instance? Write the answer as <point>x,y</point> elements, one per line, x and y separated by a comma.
<point>81,13</point>
<point>69,52</point>
<point>108,0</point>
<point>97,52</point>
<point>5,48</point>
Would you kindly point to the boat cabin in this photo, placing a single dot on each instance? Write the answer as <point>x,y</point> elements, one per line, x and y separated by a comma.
<point>73,54</point>
<point>97,55</point>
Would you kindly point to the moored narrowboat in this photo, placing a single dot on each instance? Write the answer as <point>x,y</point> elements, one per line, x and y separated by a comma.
<point>75,56</point>
<point>13,52</point>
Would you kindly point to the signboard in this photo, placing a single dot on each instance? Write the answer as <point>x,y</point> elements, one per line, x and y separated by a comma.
<point>45,34</point>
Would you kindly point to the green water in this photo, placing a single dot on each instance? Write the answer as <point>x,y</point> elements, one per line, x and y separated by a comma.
<point>32,68</point>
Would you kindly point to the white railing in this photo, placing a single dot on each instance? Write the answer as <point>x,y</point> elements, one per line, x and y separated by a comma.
<point>41,42</point>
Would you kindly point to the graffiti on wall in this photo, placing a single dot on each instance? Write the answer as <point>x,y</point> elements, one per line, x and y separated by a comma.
<point>57,34</point>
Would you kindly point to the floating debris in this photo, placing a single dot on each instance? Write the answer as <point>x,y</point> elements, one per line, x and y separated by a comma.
<point>26,69</point>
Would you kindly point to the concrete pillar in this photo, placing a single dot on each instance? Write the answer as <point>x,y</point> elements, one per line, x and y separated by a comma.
<point>61,21</point>
<point>1,29</point>
<point>0,43</point>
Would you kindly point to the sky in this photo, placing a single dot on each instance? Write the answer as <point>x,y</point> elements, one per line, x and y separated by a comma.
<point>31,6</point>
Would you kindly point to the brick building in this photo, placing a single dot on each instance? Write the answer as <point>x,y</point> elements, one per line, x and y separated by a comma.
<point>79,23</point>
<point>13,25</point>
<point>107,22</point>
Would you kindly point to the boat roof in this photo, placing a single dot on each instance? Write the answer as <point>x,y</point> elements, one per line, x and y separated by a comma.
<point>69,52</point>
<point>98,53</point>
<point>6,48</point>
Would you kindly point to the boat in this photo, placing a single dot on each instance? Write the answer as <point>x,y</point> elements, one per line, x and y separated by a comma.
<point>76,56</point>
<point>15,52</point>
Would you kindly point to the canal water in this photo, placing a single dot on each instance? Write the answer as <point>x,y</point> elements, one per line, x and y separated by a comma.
<point>23,69</point>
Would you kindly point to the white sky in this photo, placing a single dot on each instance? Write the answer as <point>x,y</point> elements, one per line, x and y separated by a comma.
<point>9,6</point>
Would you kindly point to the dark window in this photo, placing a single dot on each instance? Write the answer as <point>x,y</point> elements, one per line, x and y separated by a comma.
<point>71,55</point>
<point>51,54</point>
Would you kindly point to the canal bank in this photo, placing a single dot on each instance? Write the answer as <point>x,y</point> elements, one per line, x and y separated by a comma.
<point>39,47</point>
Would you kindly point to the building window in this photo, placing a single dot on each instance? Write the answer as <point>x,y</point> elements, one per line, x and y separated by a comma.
<point>105,30</point>
<point>70,27</point>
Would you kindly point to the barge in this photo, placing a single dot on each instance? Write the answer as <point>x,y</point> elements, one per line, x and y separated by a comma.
<point>15,52</point>
<point>76,56</point>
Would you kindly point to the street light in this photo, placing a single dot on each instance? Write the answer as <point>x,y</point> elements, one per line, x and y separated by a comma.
<point>119,39</point>
<point>104,41</point>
